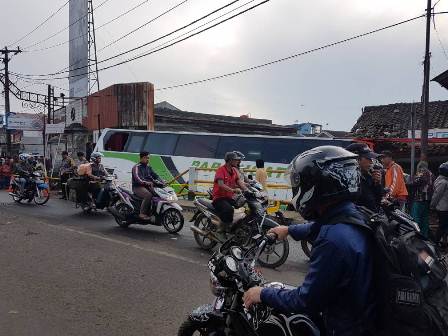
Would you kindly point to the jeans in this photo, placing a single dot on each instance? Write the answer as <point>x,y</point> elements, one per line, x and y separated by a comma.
<point>443,225</point>
<point>420,213</point>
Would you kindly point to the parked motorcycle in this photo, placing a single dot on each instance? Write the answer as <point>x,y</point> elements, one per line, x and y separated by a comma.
<point>231,274</point>
<point>246,224</point>
<point>165,211</point>
<point>35,189</point>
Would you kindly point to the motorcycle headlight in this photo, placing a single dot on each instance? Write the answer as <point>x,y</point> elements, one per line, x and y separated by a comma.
<point>231,264</point>
<point>215,287</point>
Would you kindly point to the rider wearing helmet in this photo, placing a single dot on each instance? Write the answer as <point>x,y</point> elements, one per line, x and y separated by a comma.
<point>339,280</point>
<point>24,169</point>
<point>439,201</point>
<point>227,183</point>
<point>95,174</point>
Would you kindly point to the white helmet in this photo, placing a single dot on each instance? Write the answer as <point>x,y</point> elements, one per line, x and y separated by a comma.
<point>24,157</point>
<point>95,155</point>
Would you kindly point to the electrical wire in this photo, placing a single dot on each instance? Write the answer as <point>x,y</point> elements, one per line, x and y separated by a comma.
<point>439,38</point>
<point>142,26</point>
<point>97,28</point>
<point>200,26</point>
<point>140,46</point>
<point>40,25</point>
<point>64,29</point>
<point>160,49</point>
<point>287,58</point>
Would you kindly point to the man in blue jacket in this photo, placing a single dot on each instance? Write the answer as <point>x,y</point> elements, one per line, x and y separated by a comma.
<point>339,281</point>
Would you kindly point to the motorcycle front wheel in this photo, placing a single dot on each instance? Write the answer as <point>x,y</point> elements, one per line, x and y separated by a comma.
<point>41,196</point>
<point>203,222</point>
<point>197,328</point>
<point>275,255</point>
<point>172,220</point>
<point>122,211</point>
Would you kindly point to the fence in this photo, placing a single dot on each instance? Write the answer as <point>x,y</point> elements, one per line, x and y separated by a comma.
<point>200,180</point>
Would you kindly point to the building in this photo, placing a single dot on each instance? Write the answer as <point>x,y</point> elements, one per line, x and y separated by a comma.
<point>388,127</point>
<point>170,118</point>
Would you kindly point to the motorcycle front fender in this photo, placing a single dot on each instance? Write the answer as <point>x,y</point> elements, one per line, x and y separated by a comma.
<point>205,313</point>
<point>166,206</point>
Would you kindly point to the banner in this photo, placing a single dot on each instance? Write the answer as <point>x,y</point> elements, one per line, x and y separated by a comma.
<point>55,128</point>
<point>24,121</point>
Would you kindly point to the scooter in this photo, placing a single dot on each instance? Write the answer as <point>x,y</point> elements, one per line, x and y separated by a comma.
<point>165,211</point>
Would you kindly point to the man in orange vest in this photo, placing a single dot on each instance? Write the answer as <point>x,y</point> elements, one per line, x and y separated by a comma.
<point>394,179</point>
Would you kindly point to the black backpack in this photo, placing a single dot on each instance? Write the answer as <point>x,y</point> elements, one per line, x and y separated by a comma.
<point>410,276</point>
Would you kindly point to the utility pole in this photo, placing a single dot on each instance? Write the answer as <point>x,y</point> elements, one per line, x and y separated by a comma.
<point>425,94</point>
<point>5,52</point>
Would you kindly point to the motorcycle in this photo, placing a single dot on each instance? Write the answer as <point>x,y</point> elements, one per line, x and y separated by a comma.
<point>232,273</point>
<point>246,224</point>
<point>108,194</point>
<point>165,211</point>
<point>35,189</point>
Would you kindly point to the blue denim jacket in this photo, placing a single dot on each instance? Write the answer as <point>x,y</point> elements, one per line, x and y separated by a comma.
<point>339,280</point>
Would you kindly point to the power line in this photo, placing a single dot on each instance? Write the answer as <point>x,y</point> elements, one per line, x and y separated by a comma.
<point>440,39</point>
<point>256,67</point>
<point>200,26</point>
<point>162,48</point>
<point>142,26</point>
<point>64,29</point>
<point>40,25</point>
<point>97,28</point>
<point>142,45</point>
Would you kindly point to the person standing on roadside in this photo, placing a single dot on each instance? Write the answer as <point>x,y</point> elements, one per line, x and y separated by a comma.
<point>261,175</point>
<point>394,180</point>
<point>422,185</point>
<point>372,190</point>
<point>439,201</point>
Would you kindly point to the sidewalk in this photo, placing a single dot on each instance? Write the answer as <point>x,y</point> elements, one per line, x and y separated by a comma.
<point>292,215</point>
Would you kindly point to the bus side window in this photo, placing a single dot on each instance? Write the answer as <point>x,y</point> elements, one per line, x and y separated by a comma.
<point>202,146</point>
<point>115,141</point>
<point>160,143</point>
<point>136,142</point>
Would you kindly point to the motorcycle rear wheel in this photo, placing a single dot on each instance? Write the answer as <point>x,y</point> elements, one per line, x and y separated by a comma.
<point>124,210</point>
<point>203,223</point>
<point>15,197</point>
<point>196,328</point>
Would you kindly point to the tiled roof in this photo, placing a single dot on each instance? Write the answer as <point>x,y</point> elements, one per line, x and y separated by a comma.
<point>394,120</point>
<point>442,79</point>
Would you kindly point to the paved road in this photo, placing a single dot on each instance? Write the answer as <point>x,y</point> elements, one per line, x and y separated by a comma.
<point>66,273</point>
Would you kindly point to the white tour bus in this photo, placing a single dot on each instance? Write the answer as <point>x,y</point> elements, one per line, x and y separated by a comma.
<point>172,153</point>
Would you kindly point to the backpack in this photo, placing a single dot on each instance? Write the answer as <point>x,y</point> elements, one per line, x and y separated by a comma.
<point>410,276</point>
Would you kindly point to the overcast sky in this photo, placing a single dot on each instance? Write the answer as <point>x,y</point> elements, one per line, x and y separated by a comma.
<point>327,87</point>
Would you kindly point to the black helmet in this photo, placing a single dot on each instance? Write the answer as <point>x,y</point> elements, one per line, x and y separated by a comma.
<point>443,169</point>
<point>323,174</point>
<point>229,156</point>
